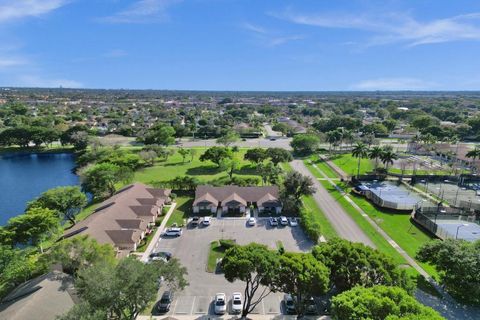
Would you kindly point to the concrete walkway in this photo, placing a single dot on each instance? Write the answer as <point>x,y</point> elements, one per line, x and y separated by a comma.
<point>340,220</point>
<point>157,234</point>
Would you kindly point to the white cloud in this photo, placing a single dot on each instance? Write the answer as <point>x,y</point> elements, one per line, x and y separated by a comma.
<point>395,27</point>
<point>40,82</point>
<point>143,11</point>
<point>6,62</point>
<point>269,38</point>
<point>16,9</point>
<point>390,84</point>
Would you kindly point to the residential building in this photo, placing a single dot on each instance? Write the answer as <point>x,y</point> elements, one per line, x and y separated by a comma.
<point>235,199</point>
<point>124,219</point>
<point>45,297</point>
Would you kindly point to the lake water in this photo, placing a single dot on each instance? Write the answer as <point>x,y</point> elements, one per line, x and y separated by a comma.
<point>25,176</point>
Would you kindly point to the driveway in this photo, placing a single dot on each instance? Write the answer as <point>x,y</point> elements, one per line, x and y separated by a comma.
<point>192,250</point>
<point>340,220</point>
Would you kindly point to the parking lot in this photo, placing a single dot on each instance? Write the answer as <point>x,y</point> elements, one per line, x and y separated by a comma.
<point>192,250</point>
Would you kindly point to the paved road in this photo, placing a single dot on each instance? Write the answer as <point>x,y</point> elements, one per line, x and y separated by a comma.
<point>282,142</point>
<point>340,220</point>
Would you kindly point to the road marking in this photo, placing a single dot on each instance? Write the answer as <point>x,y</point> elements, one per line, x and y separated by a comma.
<point>193,304</point>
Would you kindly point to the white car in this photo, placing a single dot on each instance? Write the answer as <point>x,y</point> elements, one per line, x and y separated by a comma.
<point>237,304</point>
<point>173,232</point>
<point>206,221</point>
<point>283,221</point>
<point>293,222</point>
<point>220,303</point>
<point>251,221</point>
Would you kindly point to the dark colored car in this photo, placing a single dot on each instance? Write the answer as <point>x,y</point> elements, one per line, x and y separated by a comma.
<point>161,254</point>
<point>165,302</point>
<point>195,221</point>
<point>310,306</point>
<point>289,304</point>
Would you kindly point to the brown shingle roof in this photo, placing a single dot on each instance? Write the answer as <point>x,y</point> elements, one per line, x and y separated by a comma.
<point>227,193</point>
<point>124,210</point>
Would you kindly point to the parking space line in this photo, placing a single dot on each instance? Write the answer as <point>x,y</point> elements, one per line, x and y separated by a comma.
<point>193,304</point>
<point>175,306</point>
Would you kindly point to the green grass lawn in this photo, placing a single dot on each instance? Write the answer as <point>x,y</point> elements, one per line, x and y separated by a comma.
<point>399,227</point>
<point>380,242</point>
<point>204,171</point>
<point>182,210</point>
<point>216,252</point>
<point>327,230</point>
<point>349,164</point>
<point>322,165</point>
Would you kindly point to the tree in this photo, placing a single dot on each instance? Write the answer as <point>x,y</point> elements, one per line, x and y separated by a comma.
<point>380,302</point>
<point>148,156</point>
<point>270,173</point>
<point>353,264</point>
<point>375,153</point>
<point>255,265</point>
<point>79,140</point>
<point>255,155</point>
<point>387,157</point>
<point>100,179</point>
<point>305,144</point>
<point>173,274</point>
<point>122,290</point>
<point>65,201</point>
<point>79,252</point>
<point>473,154</point>
<point>216,155</point>
<point>455,261</point>
<point>360,151</point>
<point>295,186</point>
<point>333,138</point>
<point>184,153</point>
<point>278,155</point>
<point>228,138</point>
<point>32,227</point>
<point>161,134</point>
<point>230,165</point>
<point>193,153</point>
<point>302,276</point>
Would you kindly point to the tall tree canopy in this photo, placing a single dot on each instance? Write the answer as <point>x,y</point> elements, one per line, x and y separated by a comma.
<point>458,263</point>
<point>380,302</point>
<point>257,266</point>
<point>302,276</point>
<point>216,155</point>
<point>305,143</point>
<point>66,201</point>
<point>353,264</point>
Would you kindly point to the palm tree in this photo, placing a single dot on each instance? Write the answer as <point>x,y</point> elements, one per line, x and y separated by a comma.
<point>333,137</point>
<point>375,153</point>
<point>473,154</point>
<point>360,151</point>
<point>387,157</point>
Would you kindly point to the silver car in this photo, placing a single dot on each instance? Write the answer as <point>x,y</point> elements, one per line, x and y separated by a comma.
<point>220,303</point>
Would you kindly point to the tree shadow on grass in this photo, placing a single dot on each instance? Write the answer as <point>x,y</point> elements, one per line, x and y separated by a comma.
<point>247,170</point>
<point>203,170</point>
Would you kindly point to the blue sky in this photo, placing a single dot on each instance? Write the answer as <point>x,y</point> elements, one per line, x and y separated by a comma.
<point>241,44</point>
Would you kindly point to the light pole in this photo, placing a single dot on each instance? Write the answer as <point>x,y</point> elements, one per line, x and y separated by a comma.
<point>462,225</point>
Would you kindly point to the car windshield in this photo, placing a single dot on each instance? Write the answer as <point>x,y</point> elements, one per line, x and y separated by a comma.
<point>165,300</point>
<point>289,302</point>
<point>220,303</point>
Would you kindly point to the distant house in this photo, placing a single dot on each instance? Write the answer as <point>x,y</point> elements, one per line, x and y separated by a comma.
<point>235,199</point>
<point>124,219</point>
<point>44,297</point>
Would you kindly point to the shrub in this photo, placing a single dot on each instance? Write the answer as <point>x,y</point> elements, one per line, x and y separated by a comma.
<point>311,227</point>
<point>227,243</point>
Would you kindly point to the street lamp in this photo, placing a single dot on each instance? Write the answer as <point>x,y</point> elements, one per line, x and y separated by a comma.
<point>462,225</point>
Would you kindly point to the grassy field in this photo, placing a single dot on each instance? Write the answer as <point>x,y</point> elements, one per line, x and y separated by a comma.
<point>315,159</point>
<point>327,230</point>
<point>399,227</point>
<point>182,210</point>
<point>204,171</point>
<point>216,252</point>
<point>349,164</point>
<point>381,244</point>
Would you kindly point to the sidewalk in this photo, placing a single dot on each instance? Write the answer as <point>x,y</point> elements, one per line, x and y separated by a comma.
<point>157,234</point>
